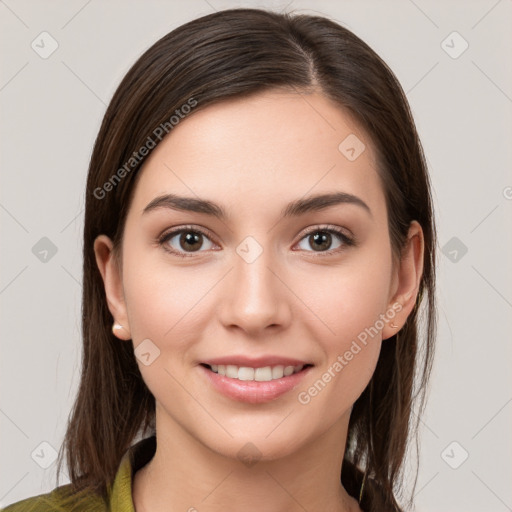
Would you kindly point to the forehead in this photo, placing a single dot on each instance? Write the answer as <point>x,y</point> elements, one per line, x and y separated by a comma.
<point>260,150</point>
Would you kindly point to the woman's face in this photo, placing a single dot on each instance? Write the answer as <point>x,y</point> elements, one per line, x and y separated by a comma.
<point>264,282</point>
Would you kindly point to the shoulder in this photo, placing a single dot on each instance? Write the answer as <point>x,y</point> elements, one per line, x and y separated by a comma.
<point>59,500</point>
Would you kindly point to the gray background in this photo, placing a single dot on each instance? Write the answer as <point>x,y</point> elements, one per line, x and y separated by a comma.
<point>51,111</point>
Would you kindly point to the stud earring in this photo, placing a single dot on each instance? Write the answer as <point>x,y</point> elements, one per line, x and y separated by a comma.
<point>116,327</point>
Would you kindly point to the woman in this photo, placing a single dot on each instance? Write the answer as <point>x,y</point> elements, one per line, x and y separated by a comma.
<point>258,239</point>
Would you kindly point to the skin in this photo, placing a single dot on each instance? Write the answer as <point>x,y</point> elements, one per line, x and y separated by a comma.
<point>253,156</point>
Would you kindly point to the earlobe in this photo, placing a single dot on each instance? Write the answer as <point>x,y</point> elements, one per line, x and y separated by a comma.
<point>112,281</point>
<point>120,331</point>
<point>408,277</point>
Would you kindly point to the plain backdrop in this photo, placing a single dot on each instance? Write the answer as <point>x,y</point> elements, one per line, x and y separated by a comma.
<point>453,61</point>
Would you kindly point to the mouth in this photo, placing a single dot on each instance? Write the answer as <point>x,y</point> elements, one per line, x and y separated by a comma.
<point>254,384</point>
<point>257,374</point>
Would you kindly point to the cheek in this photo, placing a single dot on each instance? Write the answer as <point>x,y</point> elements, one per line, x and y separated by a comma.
<point>161,300</point>
<point>351,343</point>
<point>349,298</point>
<point>164,306</point>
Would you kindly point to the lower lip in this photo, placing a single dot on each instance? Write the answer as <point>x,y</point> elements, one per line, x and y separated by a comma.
<point>254,392</point>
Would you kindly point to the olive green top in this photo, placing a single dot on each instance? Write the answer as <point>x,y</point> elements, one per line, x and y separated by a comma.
<point>120,494</point>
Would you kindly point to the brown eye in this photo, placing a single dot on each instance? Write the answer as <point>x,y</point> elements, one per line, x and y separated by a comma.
<point>189,240</point>
<point>321,240</point>
<point>183,241</point>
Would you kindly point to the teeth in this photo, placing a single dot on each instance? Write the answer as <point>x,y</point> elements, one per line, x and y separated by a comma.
<point>266,373</point>
<point>242,373</point>
<point>263,374</point>
<point>277,372</point>
<point>288,370</point>
<point>231,371</point>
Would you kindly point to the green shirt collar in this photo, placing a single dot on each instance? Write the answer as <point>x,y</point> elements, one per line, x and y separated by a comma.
<point>138,455</point>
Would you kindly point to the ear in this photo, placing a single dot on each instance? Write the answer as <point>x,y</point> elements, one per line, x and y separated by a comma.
<point>406,280</point>
<point>113,282</point>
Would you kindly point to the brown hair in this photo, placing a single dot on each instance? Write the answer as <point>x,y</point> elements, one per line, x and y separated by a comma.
<point>228,54</point>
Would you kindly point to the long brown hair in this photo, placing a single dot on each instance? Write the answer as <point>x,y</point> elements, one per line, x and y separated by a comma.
<point>231,54</point>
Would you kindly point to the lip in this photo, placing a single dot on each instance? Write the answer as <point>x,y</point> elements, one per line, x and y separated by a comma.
<point>256,362</point>
<point>253,392</point>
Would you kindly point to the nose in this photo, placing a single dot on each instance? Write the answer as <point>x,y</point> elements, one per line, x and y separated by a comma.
<point>255,297</point>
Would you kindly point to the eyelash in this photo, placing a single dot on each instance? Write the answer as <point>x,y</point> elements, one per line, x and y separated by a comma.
<point>327,228</point>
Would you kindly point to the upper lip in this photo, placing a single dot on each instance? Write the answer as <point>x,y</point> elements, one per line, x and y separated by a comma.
<point>255,362</point>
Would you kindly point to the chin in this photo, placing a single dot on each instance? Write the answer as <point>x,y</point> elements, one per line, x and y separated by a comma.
<point>252,445</point>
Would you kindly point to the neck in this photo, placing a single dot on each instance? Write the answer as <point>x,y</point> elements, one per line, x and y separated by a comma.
<point>184,474</point>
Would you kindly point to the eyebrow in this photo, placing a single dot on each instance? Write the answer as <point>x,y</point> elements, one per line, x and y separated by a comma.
<point>294,209</point>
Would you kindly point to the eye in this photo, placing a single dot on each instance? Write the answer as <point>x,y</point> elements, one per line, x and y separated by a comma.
<point>184,240</point>
<point>321,239</point>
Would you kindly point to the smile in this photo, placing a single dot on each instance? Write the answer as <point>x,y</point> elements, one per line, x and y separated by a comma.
<point>261,374</point>
<point>254,385</point>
